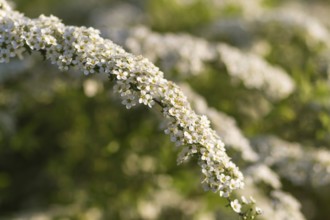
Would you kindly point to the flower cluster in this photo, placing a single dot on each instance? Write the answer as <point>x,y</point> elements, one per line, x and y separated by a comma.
<point>286,206</point>
<point>246,8</point>
<point>224,124</point>
<point>189,54</point>
<point>313,31</point>
<point>258,174</point>
<point>136,81</point>
<point>262,173</point>
<point>243,67</point>
<point>182,52</point>
<point>300,165</point>
<point>243,31</point>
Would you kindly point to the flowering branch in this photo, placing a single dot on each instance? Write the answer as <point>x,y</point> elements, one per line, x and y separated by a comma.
<point>224,125</point>
<point>276,204</point>
<point>136,81</point>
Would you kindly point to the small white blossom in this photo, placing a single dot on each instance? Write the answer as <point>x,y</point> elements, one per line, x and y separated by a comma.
<point>236,206</point>
<point>129,101</point>
<point>258,211</point>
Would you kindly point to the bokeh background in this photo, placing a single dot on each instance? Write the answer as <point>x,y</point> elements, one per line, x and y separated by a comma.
<point>259,70</point>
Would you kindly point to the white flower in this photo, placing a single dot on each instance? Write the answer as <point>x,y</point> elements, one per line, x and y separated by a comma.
<point>146,99</point>
<point>224,192</point>
<point>254,72</point>
<point>236,206</point>
<point>129,101</point>
<point>122,75</point>
<point>244,200</point>
<point>258,211</point>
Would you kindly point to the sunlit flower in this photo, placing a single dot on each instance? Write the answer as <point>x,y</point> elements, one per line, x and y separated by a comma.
<point>236,206</point>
